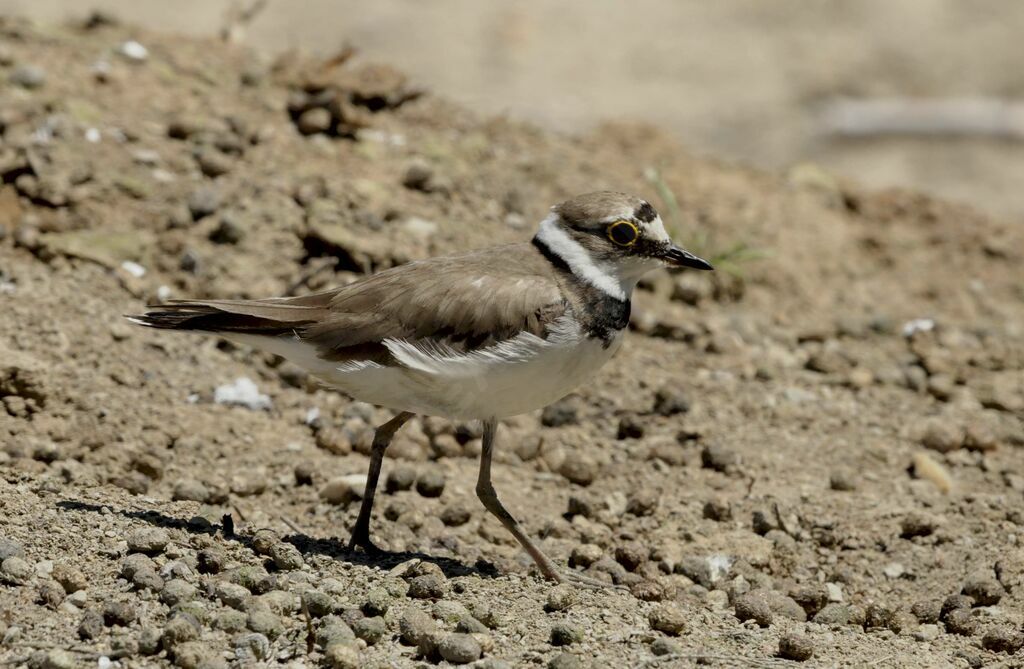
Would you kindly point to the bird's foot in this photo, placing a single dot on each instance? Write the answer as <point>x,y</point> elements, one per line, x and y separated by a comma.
<point>586,582</point>
<point>362,540</point>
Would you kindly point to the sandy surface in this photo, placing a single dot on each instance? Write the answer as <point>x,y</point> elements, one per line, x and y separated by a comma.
<point>780,454</point>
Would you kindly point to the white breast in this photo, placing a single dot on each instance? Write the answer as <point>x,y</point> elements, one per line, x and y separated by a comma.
<point>516,376</point>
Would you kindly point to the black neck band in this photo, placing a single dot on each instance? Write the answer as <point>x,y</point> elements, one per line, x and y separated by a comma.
<point>552,257</point>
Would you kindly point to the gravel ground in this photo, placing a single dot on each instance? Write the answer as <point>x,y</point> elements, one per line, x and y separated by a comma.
<point>813,455</point>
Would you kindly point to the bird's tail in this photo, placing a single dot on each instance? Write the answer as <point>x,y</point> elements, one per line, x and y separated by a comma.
<point>270,317</point>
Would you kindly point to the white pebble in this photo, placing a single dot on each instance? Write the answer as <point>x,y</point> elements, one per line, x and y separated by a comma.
<point>910,328</point>
<point>132,50</point>
<point>894,570</point>
<point>92,135</point>
<point>134,268</point>
<point>243,392</point>
<point>313,415</point>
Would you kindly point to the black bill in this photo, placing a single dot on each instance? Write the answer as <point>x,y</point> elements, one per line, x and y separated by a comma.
<point>677,257</point>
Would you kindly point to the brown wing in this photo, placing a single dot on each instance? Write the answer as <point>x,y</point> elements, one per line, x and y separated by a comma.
<point>465,301</point>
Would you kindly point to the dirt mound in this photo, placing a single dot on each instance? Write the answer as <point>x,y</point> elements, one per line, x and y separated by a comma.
<point>816,451</point>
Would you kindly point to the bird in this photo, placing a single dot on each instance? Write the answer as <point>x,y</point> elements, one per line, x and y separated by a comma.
<point>483,335</point>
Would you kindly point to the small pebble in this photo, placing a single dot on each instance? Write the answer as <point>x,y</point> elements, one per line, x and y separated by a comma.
<point>796,647</point>
<point>428,586</point>
<point>343,489</point>
<point>190,490</point>
<point>371,629</point>
<point>49,593</point>
<point>942,435</point>
<point>180,628</point>
<point>662,646</point>
<point>91,625</point>
<point>401,477</point>
<point>455,515</point>
<point>642,503</point>
<point>147,578</point>
<point>631,555</point>
<point>961,621</point>
<point>917,525</point>
<point>811,598</point>
<point>148,540</point>
<point>669,401</point>
<point>717,510</point>
<point>415,626</point>
<point>418,176</point>
<point>251,648</point>
<point>562,412</point>
<point>954,602</point>
<point>211,560</point>
<point>203,201</point>
<point>719,458</point>
<point>565,634</point>
<point>118,613</point>
<point>579,470</point>
<point>927,610</point>
<point>470,625</point>
<point>265,622</point>
<point>1001,640</point>
<point>16,571</point>
<point>28,76</point>
<point>879,616</point>
<point>560,598</point>
<point>753,606</point>
<point>842,480</point>
<point>177,591</point>
<point>630,427</point>
<point>835,614</point>
<point>317,604</point>
<point>430,483</point>
<point>584,555</point>
<point>377,602</point>
<point>928,632</point>
<point>459,648</point>
<point>341,656</point>
<point>984,589</point>
<point>231,594</point>
<point>10,548</point>
<point>149,641</point>
<point>228,231</point>
<point>667,619</point>
<point>565,660</point>
<point>286,557</point>
<point>334,630</point>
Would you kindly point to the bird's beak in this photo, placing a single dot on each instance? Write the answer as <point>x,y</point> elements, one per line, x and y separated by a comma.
<point>677,257</point>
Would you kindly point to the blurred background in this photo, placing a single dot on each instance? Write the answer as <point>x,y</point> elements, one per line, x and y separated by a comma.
<point>772,84</point>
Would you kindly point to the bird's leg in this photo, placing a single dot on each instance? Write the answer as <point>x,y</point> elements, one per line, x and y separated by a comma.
<point>381,440</point>
<point>485,491</point>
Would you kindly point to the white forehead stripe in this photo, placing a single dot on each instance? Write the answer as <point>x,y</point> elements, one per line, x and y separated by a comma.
<point>656,230</point>
<point>577,258</point>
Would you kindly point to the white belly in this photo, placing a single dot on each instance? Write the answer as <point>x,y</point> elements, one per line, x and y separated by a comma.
<point>514,377</point>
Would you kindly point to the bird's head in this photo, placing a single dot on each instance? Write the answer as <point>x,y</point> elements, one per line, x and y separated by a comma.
<point>607,237</point>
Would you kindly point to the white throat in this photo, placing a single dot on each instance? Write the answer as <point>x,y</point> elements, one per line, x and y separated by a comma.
<point>616,280</point>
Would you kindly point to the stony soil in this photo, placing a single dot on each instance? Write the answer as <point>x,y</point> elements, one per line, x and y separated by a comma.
<point>814,454</point>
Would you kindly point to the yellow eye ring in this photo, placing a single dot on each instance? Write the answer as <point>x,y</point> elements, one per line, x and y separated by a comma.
<point>623,233</point>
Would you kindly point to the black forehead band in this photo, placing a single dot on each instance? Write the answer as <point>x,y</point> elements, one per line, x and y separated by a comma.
<point>645,213</point>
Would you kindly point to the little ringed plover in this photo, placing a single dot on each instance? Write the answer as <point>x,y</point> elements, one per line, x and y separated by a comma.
<point>479,336</point>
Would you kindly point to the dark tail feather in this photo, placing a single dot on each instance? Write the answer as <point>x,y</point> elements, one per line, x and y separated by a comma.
<point>256,317</point>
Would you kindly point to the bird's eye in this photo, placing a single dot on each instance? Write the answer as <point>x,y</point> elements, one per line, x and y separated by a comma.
<point>623,233</point>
